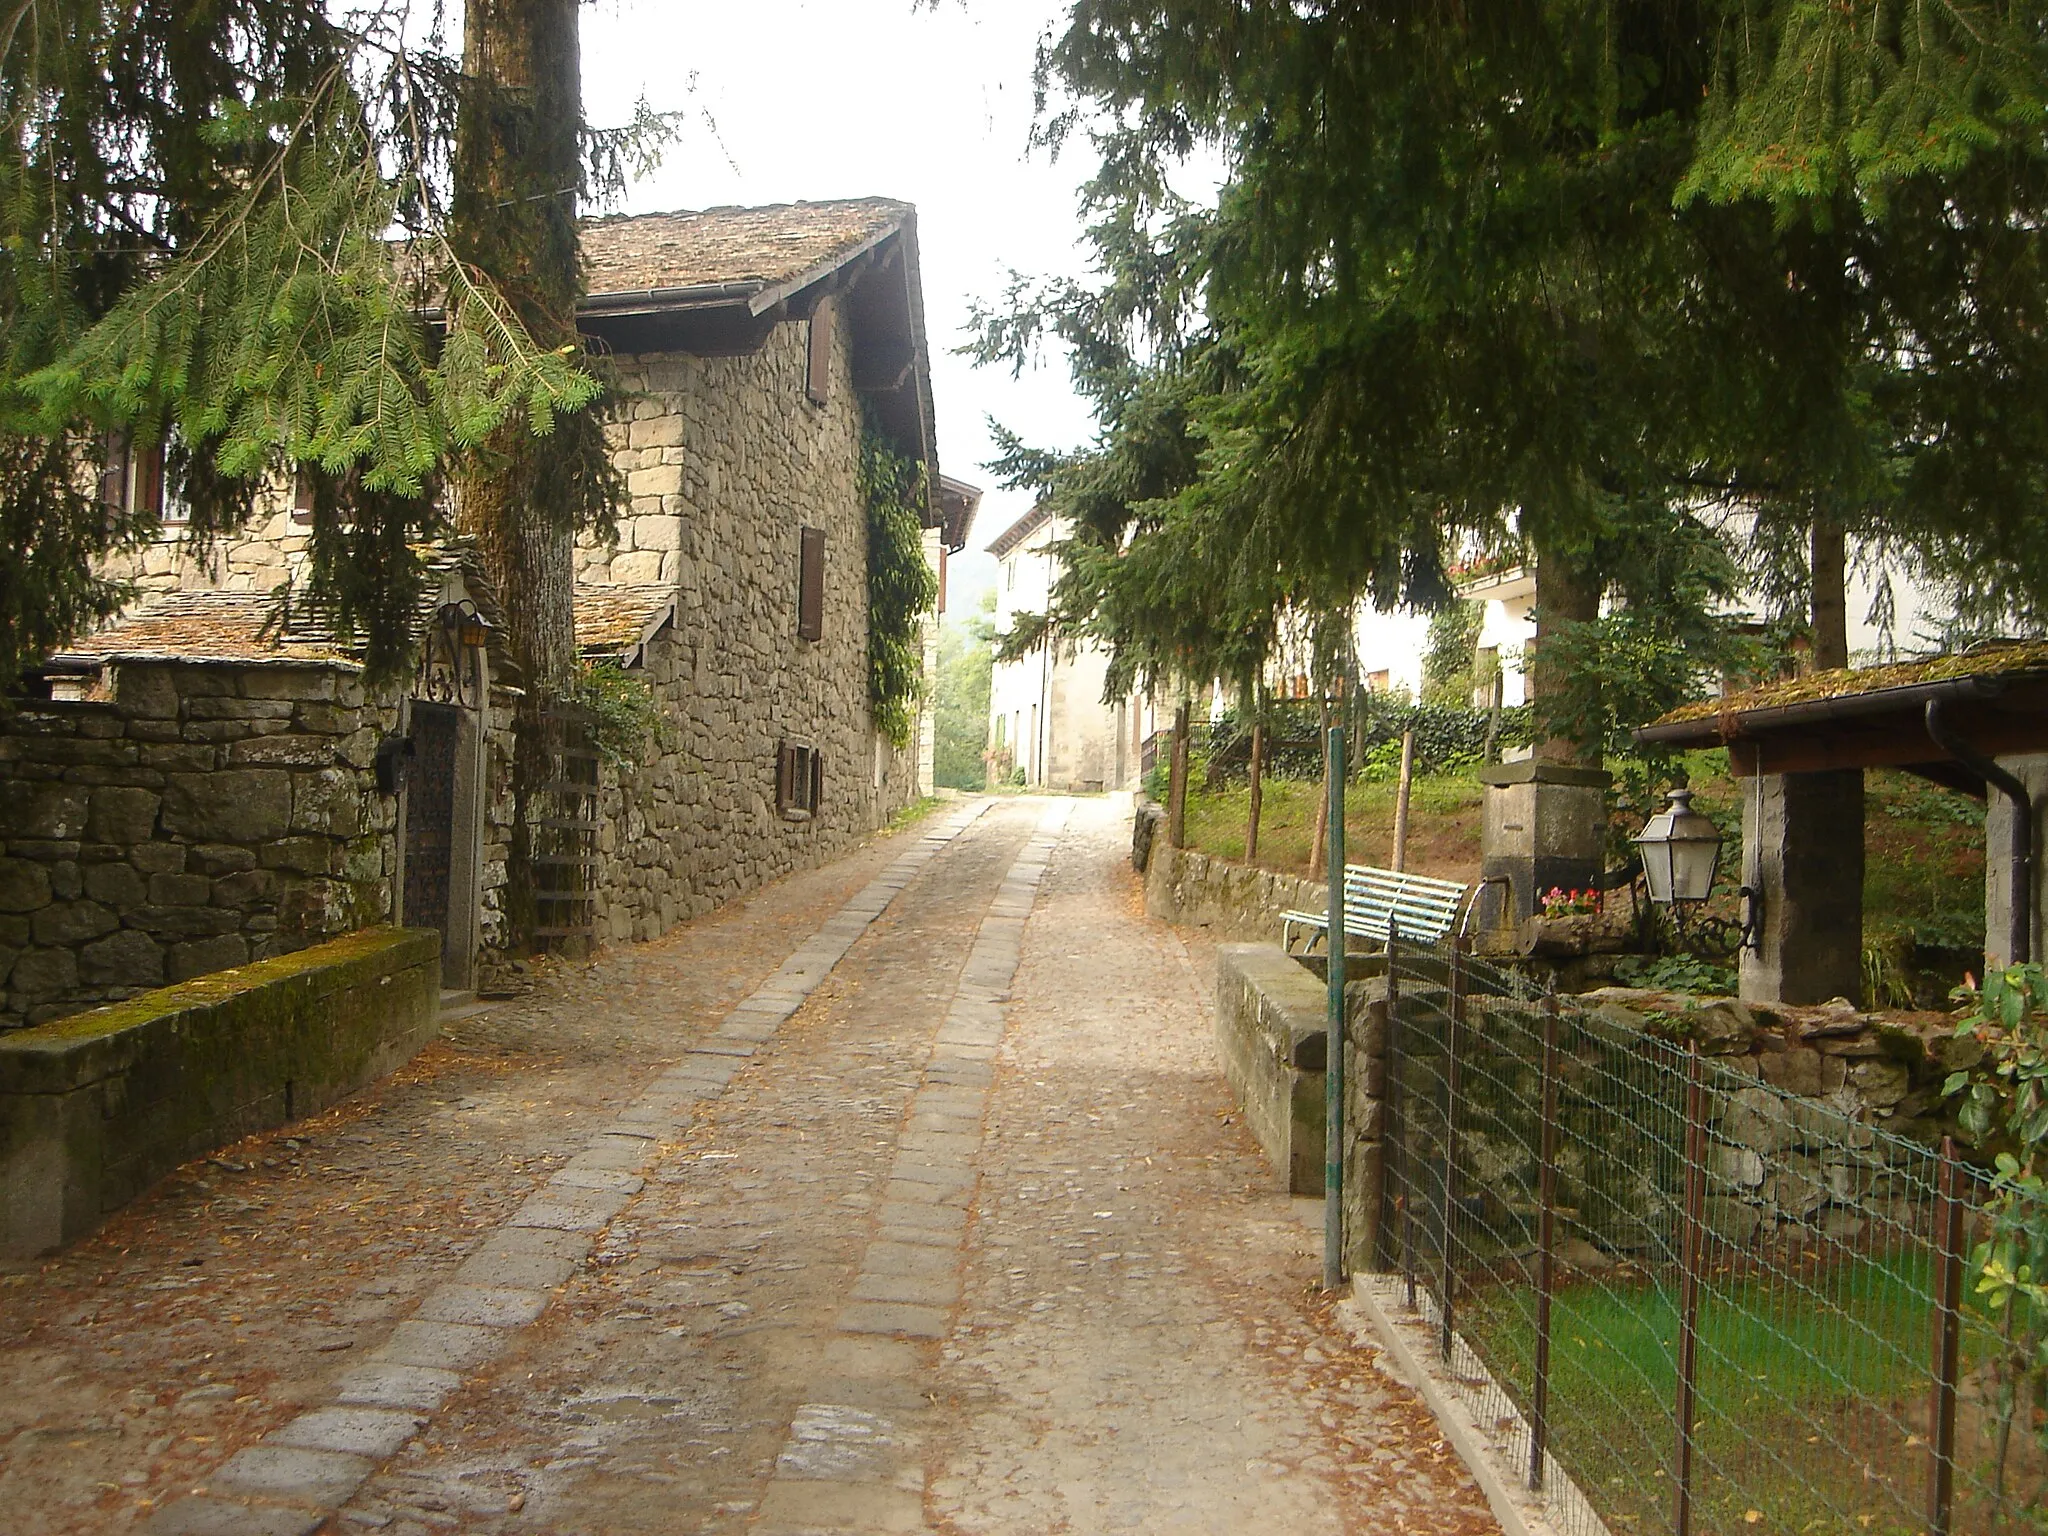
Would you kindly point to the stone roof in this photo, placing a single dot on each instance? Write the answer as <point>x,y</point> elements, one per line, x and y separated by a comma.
<point>206,626</point>
<point>615,620</point>
<point>774,246</point>
<point>241,627</point>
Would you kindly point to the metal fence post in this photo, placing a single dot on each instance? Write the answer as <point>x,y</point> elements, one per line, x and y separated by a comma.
<point>1447,1272</point>
<point>1406,1197</point>
<point>1546,1246</point>
<point>1333,1064</point>
<point>1393,1165</point>
<point>1948,1339</point>
<point>1692,1261</point>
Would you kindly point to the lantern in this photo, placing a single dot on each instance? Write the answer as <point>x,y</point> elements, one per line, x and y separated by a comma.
<point>1680,849</point>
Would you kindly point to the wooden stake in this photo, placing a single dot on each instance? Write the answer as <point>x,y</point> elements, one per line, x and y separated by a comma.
<point>1401,801</point>
<point>1251,830</point>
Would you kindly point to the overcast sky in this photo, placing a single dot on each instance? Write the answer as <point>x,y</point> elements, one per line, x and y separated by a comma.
<point>818,99</point>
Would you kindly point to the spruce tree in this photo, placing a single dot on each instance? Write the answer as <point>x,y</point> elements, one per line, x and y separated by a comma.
<point>1478,279</point>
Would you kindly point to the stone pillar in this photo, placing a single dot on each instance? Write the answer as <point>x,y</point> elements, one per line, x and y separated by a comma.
<point>2032,771</point>
<point>1802,837</point>
<point>1545,824</point>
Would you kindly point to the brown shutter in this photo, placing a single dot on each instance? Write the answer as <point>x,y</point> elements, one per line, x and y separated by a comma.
<point>782,759</point>
<point>818,369</point>
<point>149,479</point>
<point>302,494</point>
<point>810,597</point>
<point>817,781</point>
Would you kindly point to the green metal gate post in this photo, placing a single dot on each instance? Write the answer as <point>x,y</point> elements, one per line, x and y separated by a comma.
<point>1333,1076</point>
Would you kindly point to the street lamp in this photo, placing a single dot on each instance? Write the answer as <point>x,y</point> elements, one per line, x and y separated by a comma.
<point>1680,849</point>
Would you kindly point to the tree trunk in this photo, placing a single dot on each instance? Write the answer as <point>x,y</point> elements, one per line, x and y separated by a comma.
<point>1177,785</point>
<point>1258,777</point>
<point>1829,574</point>
<point>1567,593</point>
<point>517,166</point>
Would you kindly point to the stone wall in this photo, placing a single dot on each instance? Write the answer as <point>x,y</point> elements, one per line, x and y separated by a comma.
<point>726,460</point>
<point>1273,1037</point>
<point>1238,901</point>
<point>1815,1110</point>
<point>199,816</point>
<point>96,1108</point>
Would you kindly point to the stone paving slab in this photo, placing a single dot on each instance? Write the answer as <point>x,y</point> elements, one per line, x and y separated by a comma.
<point>396,1386</point>
<point>295,1476</point>
<point>204,1516</point>
<point>542,1242</point>
<point>576,1174</point>
<point>442,1346</point>
<point>485,1306</point>
<point>516,1271</point>
<point>950,1220</point>
<point>920,1290</point>
<point>895,1318</point>
<point>373,1432</point>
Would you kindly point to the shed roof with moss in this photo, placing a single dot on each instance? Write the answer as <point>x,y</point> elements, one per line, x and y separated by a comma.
<point>1993,698</point>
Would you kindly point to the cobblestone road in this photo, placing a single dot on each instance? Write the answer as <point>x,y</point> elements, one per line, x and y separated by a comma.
<point>903,1196</point>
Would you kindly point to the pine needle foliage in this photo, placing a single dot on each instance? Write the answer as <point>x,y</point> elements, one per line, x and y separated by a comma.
<point>1549,279</point>
<point>196,204</point>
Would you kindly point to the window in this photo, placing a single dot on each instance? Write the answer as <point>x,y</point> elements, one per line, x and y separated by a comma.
<point>799,780</point>
<point>810,589</point>
<point>1009,575</point>
<point>818,365</point>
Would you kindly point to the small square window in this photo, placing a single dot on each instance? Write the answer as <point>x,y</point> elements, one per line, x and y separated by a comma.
<point>799,780</point>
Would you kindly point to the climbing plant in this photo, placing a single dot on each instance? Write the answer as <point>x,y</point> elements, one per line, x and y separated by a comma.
<point>901,585</point>
<point>2004,1108</point>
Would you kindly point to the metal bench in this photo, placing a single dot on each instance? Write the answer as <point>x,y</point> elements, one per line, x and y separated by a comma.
<point>1377,900</point>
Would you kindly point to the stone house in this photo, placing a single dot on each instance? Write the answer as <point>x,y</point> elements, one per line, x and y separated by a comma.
<point>755,347</point>
<point>1047,714</point>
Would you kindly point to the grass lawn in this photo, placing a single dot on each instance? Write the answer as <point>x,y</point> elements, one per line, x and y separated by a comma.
<point>1443,830</point>
<point>1812,1398</point>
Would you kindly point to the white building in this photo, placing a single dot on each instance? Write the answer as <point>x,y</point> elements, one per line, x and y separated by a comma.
<point>1047,717</point>
<point>1890,613</point>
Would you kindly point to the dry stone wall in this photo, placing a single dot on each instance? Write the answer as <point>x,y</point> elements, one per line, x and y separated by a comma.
<point>198,817</point>
<point>726,460</point>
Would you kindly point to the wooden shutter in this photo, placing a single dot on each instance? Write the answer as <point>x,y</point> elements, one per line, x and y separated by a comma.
<point>149,479</point>
<point>302,494</point>
<point>783,757</point>
<point>817,781</point>
<point>818,367</point>
<point>810,597</point>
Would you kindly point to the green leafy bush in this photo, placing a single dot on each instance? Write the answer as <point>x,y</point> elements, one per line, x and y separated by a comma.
<point>626,716</point>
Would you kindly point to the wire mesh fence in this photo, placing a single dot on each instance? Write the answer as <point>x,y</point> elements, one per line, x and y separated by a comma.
<point>1678,1298</point>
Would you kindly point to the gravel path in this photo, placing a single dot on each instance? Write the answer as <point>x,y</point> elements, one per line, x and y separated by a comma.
<point>902,1196</point>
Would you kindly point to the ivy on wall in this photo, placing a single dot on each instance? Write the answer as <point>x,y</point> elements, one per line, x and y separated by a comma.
<point>902,587</point>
